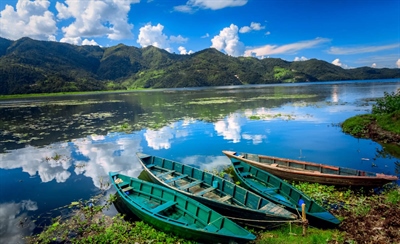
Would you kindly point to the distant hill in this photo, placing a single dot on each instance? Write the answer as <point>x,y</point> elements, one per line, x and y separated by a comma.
<point>31,66</point>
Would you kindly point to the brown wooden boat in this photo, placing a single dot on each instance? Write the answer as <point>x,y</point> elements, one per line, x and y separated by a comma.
<point>296,170</point>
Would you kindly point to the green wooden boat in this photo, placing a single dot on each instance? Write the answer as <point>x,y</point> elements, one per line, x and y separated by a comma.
<point>172,212</point>
<point>283,193</point>
<point>296,170</point>
<point>225,197</point>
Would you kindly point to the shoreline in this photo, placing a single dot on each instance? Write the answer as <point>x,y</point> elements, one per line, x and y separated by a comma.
<point>59,94</point>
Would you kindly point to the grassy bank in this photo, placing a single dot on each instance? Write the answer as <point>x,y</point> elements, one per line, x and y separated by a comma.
<point>382,125</point>
<point>57,94</point>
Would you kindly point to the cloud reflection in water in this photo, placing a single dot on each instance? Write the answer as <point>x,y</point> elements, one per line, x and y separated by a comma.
<point>49,163</point>
<point>14,221</point>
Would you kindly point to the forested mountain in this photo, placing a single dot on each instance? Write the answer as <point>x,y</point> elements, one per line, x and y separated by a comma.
<point>31,66</point>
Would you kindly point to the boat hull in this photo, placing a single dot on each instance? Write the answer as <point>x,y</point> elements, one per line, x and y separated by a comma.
<point>295,170</point>
<point>281,192</point>
<point>203,229</point>
<point>243,206</point>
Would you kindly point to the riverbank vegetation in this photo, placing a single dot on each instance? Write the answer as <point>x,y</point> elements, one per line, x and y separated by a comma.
<point>382,124</point>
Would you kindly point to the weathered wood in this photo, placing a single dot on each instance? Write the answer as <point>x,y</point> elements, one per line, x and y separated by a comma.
<point>176,178</point>
<point>194,183</point>
<point>295,170</point>
<point>166,173</point>
<point>127,188</point>
<point>200,193</point>
<point>163,206</point>
<point>225,198</point>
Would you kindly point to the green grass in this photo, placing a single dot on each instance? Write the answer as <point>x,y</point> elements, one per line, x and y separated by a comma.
<point>390,122</point>
<point>386,112</point>
<point>292,233</point>
<point>140,80</point>
<point>357,125</point>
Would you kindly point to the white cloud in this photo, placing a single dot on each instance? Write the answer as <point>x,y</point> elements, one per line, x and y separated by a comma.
<point>182,50</point>
<point>398,63</point>
<point>193,5</point>
<point>184,9</point>
<point>178,39</point>
<point>29,18</point>
<point>230,128</point>
<point>302,58</point>
<point>256,139</point>
<point>373,65</point>
<point>253,26</point>
<point>337,62</point>
<point>340,64</point>
<point>104,157</point>
<point>244,29</point>
<point>285,49</point>
<point>206,162</point>
<point>228,40</point>
<point>256,26</point>
<point>96,18</point>
<point>79,41</point>
<point>206,35</point>
<point>153,35</point>
<point>90,42</point>
<point>159,139</point>
<point>363,49</point>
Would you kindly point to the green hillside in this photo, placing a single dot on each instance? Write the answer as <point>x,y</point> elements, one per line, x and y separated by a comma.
<point>31,66</point>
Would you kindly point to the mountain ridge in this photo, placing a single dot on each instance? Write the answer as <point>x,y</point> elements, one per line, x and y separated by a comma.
<point>32,66</point>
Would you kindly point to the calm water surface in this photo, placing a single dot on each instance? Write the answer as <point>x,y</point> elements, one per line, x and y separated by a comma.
<point>54,151</point>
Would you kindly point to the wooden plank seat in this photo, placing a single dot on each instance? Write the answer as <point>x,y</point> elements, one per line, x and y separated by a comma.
<point>238,167</point>
<point>176,178</point>
<point>184,187</point>
<point>123,184</point>
<point>245,174</point>
<point>271,190</point>
<point>165,173</point>
<point>200,193</point>
<point>150,166</point>
<point>127,188</point>
<point>163,206</point>
<point>225,198</point>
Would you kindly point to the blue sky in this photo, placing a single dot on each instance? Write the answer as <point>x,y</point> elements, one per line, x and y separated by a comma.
<point>347,33</point>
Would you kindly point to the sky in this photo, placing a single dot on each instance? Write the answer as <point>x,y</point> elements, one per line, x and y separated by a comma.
<point>347,33</point>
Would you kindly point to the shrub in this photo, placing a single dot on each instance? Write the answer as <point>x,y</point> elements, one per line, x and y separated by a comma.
<point>388,104</point>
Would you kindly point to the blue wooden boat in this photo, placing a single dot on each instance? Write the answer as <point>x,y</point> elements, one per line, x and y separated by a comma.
<point>225,197</point>
<point>283,193</point>
<point>172,212</point>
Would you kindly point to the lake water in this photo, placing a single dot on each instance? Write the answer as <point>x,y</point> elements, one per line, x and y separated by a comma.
<point>57,150</point>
